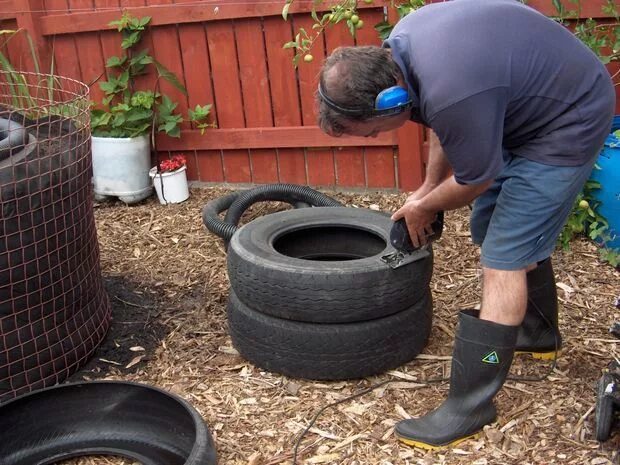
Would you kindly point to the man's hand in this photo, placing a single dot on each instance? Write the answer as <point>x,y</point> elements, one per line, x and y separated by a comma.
<point>419,220</point>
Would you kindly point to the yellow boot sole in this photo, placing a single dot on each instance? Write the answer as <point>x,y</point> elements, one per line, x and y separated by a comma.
<point>425,446</point>
<point>541,355</point>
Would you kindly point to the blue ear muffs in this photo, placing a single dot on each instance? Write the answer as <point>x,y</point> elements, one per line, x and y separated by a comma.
<point>391,101</point>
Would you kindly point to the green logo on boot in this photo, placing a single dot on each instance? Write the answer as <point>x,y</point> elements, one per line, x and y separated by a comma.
<point>491,358</point>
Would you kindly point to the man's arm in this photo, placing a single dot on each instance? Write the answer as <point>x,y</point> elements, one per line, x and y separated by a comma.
<point>449,195</point>
<point>437,168</point>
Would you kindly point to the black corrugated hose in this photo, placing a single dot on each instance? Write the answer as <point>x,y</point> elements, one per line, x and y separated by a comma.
<point>237,203</point>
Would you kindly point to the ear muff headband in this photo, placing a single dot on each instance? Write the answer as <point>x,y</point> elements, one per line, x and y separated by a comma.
<point>390,101</point>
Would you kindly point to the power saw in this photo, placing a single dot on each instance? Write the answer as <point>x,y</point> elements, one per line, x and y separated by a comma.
<point>406,252</point>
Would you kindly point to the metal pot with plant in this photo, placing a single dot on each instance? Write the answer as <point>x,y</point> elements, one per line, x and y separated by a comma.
<point>124,123</point>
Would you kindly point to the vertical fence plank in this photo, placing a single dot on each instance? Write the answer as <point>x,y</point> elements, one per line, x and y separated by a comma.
<point>27,16</point>
<point>193,43</point>
<point>223,53</point>
<point>380,168</point>
<point>349,161</point>
<point>256,93</point>
<point>380,161</point>
<point>410,159</point>
<point>284,96</point>
<point>209,166</point>
<point>110,40</point>
<point>92,63</point>
<point>168,54</point>
<point>15,52</point>
<point>319,161</point>
<point>65,55</point>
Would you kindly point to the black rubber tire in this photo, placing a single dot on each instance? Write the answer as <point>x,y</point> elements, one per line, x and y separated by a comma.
<point>604,408</point>
<point>329,351</point>
<point>131,420</point>
<point>13,137</point>
<point>287,265</point>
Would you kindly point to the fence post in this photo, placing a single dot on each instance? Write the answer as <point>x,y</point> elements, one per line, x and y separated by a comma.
<point>27,14</point>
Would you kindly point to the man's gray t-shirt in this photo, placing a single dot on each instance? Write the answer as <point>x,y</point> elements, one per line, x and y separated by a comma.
<point>489,75</point>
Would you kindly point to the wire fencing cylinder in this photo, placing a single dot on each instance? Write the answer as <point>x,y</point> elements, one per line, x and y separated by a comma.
<point>54,311</point>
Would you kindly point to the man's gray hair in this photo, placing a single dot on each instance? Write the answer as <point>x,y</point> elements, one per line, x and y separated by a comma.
<point>352,77</point>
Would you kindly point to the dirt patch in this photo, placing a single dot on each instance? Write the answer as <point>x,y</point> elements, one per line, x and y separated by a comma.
<point>135,332</point>
<point>162,267</point>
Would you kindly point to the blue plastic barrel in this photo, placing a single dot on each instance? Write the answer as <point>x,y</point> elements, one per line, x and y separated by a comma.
<point>609,177</point>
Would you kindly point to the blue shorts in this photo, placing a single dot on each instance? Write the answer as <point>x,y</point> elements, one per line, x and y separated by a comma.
<point>518,219</point>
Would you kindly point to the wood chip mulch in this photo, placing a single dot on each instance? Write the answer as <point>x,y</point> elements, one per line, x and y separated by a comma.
<point>167,281</point>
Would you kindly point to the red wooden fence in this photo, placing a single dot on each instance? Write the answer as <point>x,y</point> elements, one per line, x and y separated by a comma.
<point>230,53</point>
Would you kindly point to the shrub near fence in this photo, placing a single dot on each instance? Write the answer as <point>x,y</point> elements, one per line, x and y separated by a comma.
<point>230,53</point>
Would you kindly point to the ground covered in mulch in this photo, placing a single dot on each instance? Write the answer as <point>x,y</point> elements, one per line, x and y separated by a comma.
<point>166,278</point>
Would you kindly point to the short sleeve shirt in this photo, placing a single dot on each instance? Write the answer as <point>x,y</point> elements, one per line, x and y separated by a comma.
<point>495,75</point>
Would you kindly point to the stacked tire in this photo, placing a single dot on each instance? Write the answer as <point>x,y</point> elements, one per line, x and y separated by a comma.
<point>311,297</point>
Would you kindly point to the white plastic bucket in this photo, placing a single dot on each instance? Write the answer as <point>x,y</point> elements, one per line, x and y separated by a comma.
<point>121,168</point>
<point>171,186</point>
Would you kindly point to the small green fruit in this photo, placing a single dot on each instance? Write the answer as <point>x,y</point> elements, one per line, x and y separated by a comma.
<point>355,19</point>
<point>584,204</point>
<point>359,24</point>
<point>308,58</point>
<point>348,14</point>
<point>368,2</point>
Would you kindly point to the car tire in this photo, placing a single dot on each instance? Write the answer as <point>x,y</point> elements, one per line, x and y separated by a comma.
<point>131,420</point>
<point>604,407</point>
<point>329,351</point>
<point>323,265</point>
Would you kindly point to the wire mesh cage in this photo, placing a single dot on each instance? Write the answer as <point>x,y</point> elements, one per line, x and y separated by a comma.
<point>54,311</point>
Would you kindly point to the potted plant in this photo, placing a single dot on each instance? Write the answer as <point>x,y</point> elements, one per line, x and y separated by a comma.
<point>170,180</point>
<point>123,124</point>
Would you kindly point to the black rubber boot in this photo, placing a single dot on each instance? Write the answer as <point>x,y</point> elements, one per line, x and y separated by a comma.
<point>539,334</point>
<point>481,359</point>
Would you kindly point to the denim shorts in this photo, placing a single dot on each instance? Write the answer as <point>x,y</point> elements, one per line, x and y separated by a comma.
<point>518,219</point>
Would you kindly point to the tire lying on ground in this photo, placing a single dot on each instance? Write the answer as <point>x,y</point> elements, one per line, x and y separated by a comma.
<point>131,420</point>
<point>323,265</point>
<point>330,351</point>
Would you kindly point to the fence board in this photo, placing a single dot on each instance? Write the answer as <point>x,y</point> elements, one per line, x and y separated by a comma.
<point>284,96</point>
<point>66,62</point>
<point>209,165</point>
<point>380,162</point>
<point>262,138</point>
<point>16,50</point>
<point>168,54</point>
<point>223,53</point>
<point>319,161</point>
<point>89,53</point>
<point>195,57</point>
<point>256,93</point>
<point>380,167</point>
<point>172,14</point>
<point>349,162</point>
<point>110,41</point>
<point>7,9</point>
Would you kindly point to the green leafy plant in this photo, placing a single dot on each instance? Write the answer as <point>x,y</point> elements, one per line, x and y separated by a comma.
<point>127,111</point>
<point>343,12</point>
<point>34,94</point>
<point>584,218</point>
<point>602,38</point>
